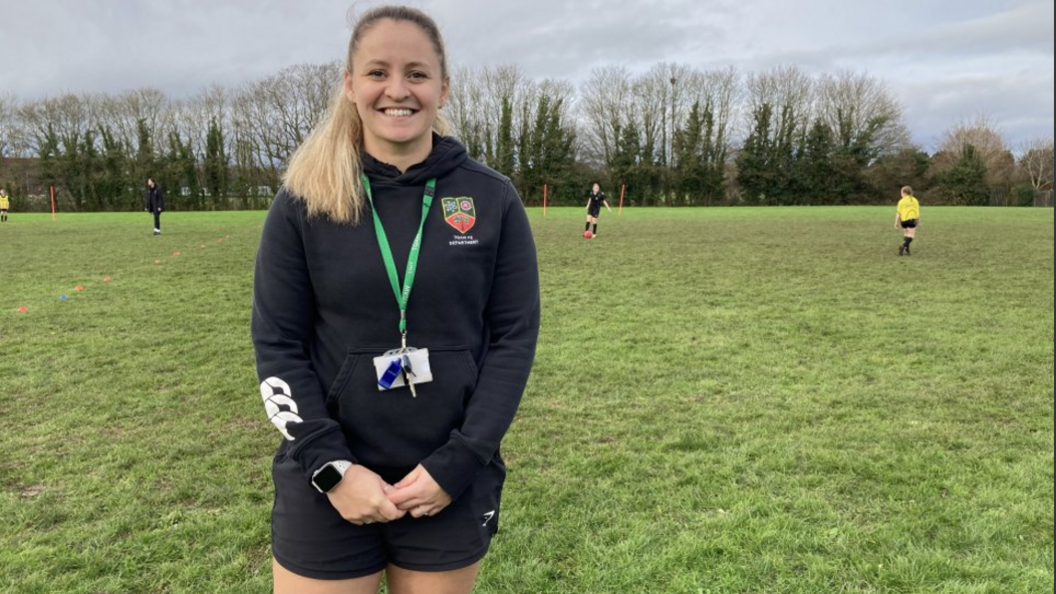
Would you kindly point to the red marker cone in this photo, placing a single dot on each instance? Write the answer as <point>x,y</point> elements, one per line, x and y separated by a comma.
<point>106,279</point>
<point>23,309</point>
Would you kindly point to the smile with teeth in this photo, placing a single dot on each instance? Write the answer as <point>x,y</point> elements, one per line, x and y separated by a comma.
<point>398,112</point>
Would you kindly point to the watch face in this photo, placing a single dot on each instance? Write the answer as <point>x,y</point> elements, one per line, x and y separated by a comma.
<point>327,478</point>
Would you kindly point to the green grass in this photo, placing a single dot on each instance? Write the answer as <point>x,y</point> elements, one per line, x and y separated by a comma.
<point>724,401</point>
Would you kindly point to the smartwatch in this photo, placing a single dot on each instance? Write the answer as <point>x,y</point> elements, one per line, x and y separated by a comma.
<point>326,478</point>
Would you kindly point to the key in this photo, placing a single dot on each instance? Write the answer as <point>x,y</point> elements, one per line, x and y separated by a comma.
<point>408,371</point>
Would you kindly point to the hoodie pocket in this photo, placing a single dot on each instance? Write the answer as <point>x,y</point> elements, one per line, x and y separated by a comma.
<point>344,375</point>
<point>394,428</point>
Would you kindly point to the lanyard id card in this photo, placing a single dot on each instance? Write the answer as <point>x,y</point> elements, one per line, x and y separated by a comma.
<point>405,366</point>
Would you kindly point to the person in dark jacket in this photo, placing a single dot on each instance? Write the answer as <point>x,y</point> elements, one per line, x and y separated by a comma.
<point>155,203</point>
<point>395,318</point>
<point>595,198</point>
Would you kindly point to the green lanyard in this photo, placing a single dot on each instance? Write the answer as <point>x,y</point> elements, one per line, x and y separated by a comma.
<point>402,297</point>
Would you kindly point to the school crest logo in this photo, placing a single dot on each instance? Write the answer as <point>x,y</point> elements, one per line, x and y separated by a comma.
<point>460,213</point>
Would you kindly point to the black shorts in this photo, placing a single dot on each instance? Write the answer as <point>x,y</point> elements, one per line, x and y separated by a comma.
<point>309,537</point>
<point>3,210</point>
<point>910,224</point>
<point>594,213</point>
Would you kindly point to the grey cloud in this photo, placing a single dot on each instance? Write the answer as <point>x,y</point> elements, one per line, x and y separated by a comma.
<point>568,39</point>
<point>1022,106</point>
<point>945,59</point>
<point>179,46</point>
<point>1023,29</point>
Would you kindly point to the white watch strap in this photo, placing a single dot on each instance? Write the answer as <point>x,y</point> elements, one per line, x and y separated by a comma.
<point>340,466</point>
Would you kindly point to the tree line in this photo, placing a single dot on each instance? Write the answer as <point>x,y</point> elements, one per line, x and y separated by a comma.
<point>673,136</point>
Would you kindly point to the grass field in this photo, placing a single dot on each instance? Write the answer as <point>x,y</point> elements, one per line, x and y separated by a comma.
<point>724,401</point>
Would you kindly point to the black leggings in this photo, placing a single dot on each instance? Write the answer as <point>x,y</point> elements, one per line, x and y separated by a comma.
<point>157,220</point>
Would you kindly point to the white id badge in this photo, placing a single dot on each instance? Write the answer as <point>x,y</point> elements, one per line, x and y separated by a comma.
<point>396,366</point>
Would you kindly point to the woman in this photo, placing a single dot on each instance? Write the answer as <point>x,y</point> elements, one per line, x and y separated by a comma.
<point>155,203</point>
<point>907,216</point>
<point>392,402</point>
<point>5,204</point>
<point>595,198</point>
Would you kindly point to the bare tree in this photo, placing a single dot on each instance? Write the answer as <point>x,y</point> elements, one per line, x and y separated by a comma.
<point>210,105</point>
<point>121,115</point>
<point>719,90</point>
<point>7,123</point>
<point>985,136</point>
<point>664,99</point>
<point>301,96</point>
<point>479,99</point>
<point>67,117</point>
<point>859,109</point>
<point>506,81</point>
<point>790,94</point>
<point>112,115</point>
<point>149,105</point>
<point>464,109</point>
<point>605,107</point>
<point>504,85</point>
<point>258,145</point>
<point>275,114</point>
<point>652,106</point>
<point>1036,161</point>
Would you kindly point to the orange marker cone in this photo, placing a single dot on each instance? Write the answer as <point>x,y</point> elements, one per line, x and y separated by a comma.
<point>79,288</point>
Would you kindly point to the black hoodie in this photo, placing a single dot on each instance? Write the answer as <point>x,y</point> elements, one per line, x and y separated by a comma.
<point>323,308</point>
<point>155,198</point>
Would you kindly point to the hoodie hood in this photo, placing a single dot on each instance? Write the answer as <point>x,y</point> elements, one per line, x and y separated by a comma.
<point>446,156</point>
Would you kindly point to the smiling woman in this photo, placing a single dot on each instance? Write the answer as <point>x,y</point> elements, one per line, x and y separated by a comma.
<point>326,171</point>
<point>389,462</point>
<point>399,84</point>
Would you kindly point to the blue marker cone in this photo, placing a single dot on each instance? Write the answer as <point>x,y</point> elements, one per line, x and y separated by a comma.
<point>62,297</point>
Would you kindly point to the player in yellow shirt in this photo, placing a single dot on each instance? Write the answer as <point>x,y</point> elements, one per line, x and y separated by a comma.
<point>5,204</point>
<point>907,217</point>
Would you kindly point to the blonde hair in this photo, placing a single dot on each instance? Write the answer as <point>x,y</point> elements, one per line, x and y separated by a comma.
<point>325,171</point>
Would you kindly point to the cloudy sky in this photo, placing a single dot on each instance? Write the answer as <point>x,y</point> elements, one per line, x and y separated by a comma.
<point>947,60</point>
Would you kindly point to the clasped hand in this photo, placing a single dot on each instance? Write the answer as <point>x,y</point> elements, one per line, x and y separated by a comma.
<point>363,497</point>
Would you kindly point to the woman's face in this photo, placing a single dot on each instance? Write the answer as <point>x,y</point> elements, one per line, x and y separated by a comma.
<point>398,87</point>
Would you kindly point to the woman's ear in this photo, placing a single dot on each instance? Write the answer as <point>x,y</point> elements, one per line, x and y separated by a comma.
<point>445,91</point>
<point>349,90</point>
